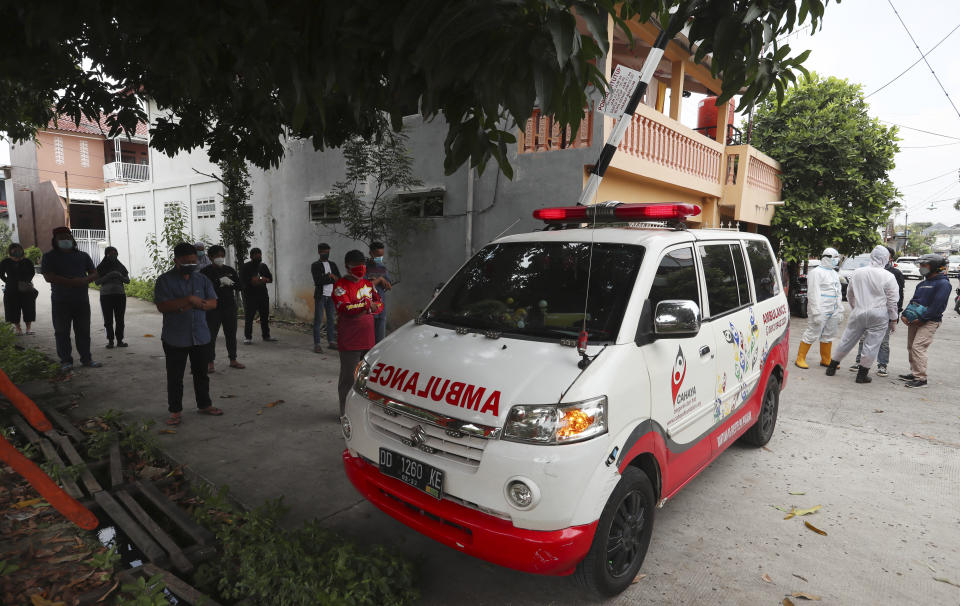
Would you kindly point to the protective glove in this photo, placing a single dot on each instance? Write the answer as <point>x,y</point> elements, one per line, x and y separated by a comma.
<point>893,326</point>
<point>226,281</point>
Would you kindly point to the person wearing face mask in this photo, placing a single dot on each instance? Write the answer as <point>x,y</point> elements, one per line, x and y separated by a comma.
<point>69,272</point>
<point>357,302</point>
<point>824,308</point>
<point>872,294</point>
<point>19,296</point>
<point>225,283</point>
<point>883,358</point>
<point>183,295</point>
<point>378,275</point>
<point>325,274</point>
<point>111,276</point>
<point>254,277</point>
<point>924,314</point>
<point>203,260</point>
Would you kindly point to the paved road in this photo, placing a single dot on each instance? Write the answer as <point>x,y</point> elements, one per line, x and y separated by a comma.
<point>883,461</point>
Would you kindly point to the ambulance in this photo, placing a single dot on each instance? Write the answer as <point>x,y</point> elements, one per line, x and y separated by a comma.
<point>566,383</point>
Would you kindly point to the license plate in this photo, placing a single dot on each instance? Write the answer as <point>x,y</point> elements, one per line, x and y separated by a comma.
<point>427,478</point>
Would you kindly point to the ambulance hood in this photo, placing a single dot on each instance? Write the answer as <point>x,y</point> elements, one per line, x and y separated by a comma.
<point>469,376</point>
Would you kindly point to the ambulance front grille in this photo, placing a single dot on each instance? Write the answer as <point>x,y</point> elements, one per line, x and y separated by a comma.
<point>463,449</point>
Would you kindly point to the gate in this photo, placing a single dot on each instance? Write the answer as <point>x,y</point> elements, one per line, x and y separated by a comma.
<point>88,240</point>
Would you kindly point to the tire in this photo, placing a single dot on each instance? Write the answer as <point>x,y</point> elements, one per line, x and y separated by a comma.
<point>624,529</point>
<point>760,433</point>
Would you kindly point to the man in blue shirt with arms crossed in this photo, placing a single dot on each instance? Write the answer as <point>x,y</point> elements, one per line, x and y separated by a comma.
<point>183,295</point>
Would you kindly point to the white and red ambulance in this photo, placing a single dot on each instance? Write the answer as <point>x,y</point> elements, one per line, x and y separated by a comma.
<point>565,383</point>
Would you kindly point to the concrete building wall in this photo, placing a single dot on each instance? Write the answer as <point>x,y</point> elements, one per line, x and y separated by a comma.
<point>48,210</point>
<point>85,168</point>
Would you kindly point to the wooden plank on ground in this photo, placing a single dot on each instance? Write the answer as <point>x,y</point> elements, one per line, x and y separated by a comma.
<point>179,587</point>
<point>24,428</point>
<point>51,454</point>
<point>179,560</point>
<point>65,425</point>
<point>179,516</point>
<point>125,523</point>
<point>116,466</point>
<point>86,477</point>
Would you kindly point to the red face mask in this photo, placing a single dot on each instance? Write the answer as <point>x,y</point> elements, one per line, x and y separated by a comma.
<point>358,270</point>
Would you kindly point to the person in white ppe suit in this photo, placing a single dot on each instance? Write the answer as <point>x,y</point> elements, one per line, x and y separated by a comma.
<point>824,308</point>
<point>873,294</point>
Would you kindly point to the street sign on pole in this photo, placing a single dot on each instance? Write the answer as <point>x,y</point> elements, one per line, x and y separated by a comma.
<point>622,84</point>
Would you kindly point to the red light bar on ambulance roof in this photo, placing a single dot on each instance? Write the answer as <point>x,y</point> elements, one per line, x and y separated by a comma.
<point>617,213</point>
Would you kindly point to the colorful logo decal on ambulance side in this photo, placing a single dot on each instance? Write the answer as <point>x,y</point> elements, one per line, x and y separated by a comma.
<point>679,372</point>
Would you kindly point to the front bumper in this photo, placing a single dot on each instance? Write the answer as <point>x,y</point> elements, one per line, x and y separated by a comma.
<point>555,552</point>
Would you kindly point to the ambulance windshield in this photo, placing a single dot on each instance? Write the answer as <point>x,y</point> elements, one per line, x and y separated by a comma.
<point>537,289</point>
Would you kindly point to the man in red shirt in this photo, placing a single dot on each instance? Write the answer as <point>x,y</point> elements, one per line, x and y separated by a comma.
<point>357,302</point>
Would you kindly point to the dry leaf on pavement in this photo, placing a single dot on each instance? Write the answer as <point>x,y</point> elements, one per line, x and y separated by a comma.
<point>814,528</point>
<point>638,578</point>
<point>806,596</point>
<point>767,578</point>
<point>787,602</point>
<point>27,503</point>
<point>274,403</point>
<point>947,581</point>
<point>797,492</point>
<point>167,431</point>
<point>804,579</point>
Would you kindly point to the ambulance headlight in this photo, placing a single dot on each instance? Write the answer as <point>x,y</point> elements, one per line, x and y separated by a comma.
<point>360,374</point>
<point>557,423</point>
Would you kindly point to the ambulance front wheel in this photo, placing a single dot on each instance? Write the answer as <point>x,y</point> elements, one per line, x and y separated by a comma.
<point>762,430</point>
<point>622,536</point>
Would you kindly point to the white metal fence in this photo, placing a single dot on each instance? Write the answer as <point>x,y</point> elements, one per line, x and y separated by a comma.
<point>88,240</point>
<point>126,172</point>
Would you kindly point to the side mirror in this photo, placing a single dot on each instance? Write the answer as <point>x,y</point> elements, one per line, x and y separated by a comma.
<point>676,319</point>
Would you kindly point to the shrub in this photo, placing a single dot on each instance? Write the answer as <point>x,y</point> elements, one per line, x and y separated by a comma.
<point>34,254</point>
<point>20,363</point>
<point>141,288</point>
<point>267,564</point>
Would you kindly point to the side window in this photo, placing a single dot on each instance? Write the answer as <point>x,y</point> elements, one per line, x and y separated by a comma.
<point>719,271</point>
<point>763,268</point>
<point>676,278</point>
<point>743,289</point>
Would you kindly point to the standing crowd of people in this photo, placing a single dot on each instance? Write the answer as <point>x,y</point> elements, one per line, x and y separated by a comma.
<point>875,294</point>
<point>197,299</point>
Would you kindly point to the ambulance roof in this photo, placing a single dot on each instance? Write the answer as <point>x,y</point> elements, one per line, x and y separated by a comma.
<point>648,237</point>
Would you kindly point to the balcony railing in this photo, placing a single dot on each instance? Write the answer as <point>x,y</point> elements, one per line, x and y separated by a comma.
<point>752,183</point>
<point>125,172</point>
<point>542,133</point>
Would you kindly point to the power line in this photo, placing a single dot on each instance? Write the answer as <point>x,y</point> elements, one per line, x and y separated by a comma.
<point>919,130</point>
<point>924,57</point>
<point>949,172</point>
<point>928,146</point>
<point>912,65</point>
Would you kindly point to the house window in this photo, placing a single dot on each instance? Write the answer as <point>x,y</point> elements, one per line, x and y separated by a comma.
<point>116,215</point>
<point>84,154</point>
<point>324,211</point>
<point>423,204</point>
<point>139,213</point>
<point>170,209</point>
<point>58,149</point>
<point>207,208</point>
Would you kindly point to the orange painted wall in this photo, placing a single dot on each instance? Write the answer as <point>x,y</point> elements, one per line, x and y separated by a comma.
<point>81,177</point>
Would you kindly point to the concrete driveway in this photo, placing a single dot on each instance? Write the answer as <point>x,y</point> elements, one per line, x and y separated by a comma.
<point>882,460</point>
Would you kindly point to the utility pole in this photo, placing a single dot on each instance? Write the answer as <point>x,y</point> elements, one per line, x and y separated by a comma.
<point>66,183</point>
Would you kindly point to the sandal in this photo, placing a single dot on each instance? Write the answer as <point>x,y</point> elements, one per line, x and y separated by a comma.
<point>174,419</point>
<point>210,410</point>
<point>235,364</point>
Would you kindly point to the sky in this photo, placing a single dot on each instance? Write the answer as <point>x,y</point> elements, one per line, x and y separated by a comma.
<point>864,42</point>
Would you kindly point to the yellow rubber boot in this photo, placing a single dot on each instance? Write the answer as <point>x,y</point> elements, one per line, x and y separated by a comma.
<point>825,353</point>
<point>802,355</point>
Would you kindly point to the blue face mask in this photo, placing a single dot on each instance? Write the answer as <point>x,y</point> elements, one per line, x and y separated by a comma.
<point>378,259</point>
<point>65,244</point>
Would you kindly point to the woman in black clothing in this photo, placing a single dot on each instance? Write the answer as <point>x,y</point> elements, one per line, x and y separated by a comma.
<point>112,275</point>
<point>19,295</point>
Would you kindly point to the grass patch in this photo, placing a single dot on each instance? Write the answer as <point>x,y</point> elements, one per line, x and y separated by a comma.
<point>268,564</point>
<point>22,364</point>
<point>141,288</point>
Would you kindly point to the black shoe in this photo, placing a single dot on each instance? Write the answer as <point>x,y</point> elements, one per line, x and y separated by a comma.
<point>916,383</point>
<point>881,370</point>
<point>121,344</point>
<point>832,369</point>
<point>862,375</point>
<point>908,377</point>
<point>110,344</point>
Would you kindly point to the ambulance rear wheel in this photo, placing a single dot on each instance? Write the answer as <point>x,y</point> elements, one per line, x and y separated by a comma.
<point>762,430</point>
<point>622,536</point>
